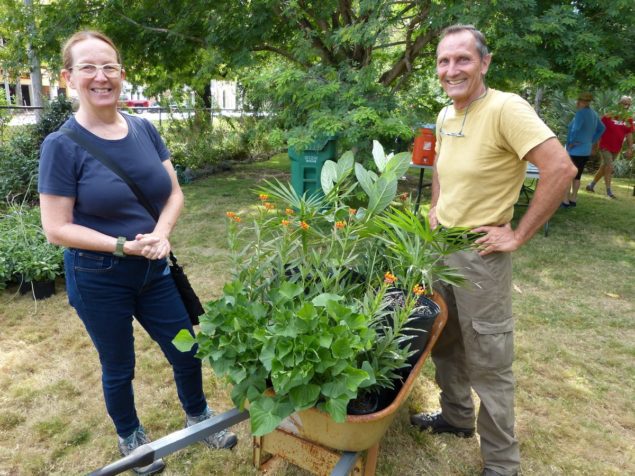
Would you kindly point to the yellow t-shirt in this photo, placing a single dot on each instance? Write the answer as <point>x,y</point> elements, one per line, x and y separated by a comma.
<point>481,174</point>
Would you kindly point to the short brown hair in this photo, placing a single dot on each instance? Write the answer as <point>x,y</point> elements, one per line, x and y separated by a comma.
<point>481,42</point>
<point>67,55</point>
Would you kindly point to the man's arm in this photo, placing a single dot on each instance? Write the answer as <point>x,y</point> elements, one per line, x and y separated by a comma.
<point>556,172</point>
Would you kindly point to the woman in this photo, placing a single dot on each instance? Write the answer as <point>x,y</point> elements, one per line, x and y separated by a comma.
<point>115,261</point>
<point>583,132</point>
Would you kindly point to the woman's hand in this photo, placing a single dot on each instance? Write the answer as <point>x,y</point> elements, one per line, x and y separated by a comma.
<point>149,246</point>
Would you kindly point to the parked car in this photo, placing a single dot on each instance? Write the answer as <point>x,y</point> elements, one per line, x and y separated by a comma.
<point>138,105</point>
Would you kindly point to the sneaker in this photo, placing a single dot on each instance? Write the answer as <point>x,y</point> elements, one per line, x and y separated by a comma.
<point>437,424</point>
<point>224,439</point>
<point>611,196</point>
<point>565,205</point>
<point>572,204</point>
<point>129,444</point>
<point>589,188</point>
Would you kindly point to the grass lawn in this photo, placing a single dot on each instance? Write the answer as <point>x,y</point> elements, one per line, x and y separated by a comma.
<point>575,356</point>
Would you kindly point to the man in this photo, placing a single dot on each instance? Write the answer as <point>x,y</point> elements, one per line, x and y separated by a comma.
<point>484,141</point>
<point>584,131</point>
<point>619,125</point>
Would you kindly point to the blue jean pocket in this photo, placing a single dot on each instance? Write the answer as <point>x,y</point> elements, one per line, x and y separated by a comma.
<point>86,261</point>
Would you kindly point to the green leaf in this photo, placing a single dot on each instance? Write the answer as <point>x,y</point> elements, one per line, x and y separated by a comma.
<point>184,340</point>
<point>354,377</point>
<point>398,164</point>
<point>263,415</point>
<point>341,349</point>
<point>328,176</point>
<point>335,388</point>
<point>364,178</point>
<point>383,192</point>
<point>268,353</point>
<point>336,407</point>
<point>323,299</point>
<point>371,380</point>
<point>345,165</point>
<point>305,396</point>
<point>290,290</point>
<point>379,156</point>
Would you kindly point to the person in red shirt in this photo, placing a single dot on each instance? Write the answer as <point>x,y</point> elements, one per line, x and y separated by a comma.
<point>618,127</point>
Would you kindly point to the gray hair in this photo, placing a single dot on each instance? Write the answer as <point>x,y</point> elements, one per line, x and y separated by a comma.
<point>481,42</point>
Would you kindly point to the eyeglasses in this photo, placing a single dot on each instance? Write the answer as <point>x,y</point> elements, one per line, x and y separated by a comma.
<point>460,133</point>
<point>87,70</point>
<point>453,134</point>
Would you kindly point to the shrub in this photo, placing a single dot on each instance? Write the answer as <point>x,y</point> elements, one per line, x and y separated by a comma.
<point>19,155</point>
<point>18,166</point>
<point>622,168</point>
<point>200,143</point>
<point>24,251</point>
<point>54,115</point>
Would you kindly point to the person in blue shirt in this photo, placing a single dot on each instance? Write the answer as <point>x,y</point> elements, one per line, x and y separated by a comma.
<point>115,259</point>
<point>584,131</point>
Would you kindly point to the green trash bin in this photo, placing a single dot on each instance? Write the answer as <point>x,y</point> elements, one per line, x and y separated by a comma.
<point>306,165</point>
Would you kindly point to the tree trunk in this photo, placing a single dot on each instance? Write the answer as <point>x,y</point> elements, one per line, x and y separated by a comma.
<point>5,78</point>
<point>34,64</point>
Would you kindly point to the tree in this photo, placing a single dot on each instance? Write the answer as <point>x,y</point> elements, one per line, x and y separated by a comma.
<point>358,68</point>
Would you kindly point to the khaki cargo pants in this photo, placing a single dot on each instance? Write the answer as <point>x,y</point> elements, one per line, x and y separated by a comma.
<point>476,350</point>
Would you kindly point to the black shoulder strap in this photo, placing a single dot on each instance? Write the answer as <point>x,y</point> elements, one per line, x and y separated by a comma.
<point>104,159</point>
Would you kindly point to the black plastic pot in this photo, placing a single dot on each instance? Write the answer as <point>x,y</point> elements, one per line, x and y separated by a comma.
<point>420,322</point>
<point>364,404</point>
<point>38,289</point>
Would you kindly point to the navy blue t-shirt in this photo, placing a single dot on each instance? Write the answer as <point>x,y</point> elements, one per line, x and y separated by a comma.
<point>103,201</point>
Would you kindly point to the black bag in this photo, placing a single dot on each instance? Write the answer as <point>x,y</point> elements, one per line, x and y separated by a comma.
<point>188,296</point>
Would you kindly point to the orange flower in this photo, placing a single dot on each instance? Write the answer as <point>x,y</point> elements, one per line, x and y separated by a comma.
<point>419,290</point>
<point>403,197</point>
<point>389,278</point>
<point>285,222</point>
<point>340,224</point>
<point>304,225</point>
<point>263,197</point>
<point>289,211</point>
<point>230,214</point>
<point>352,211</point>
<point>269,206</point>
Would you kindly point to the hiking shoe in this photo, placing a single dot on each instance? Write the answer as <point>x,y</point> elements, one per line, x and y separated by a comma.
<point>129,444</point>
<point>223,439</point>
<point>565,205</point>
<point>437,424</point>
<point>588,188</point>
<point>572,204</point>
<point>611,196</point>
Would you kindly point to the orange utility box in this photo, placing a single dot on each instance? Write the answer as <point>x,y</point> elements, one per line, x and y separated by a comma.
<point>423,149</point>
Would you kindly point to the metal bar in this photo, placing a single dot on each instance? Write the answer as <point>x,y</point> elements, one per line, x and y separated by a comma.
<point>419,187</point>
<point>346,464</point>
<point>173,442</point>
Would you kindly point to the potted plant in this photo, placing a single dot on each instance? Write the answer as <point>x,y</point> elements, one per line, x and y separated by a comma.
<point>27,256</point>
<point>304,321</point>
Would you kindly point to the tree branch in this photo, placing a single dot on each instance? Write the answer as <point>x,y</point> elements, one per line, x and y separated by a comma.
<point>280,52</point>
<point>161,30</point>
<point>413,50</point>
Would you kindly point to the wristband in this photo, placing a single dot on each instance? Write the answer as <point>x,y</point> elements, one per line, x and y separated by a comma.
<point>119,247</point>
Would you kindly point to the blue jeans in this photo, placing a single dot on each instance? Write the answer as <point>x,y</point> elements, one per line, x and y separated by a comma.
<point>106,291</point>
